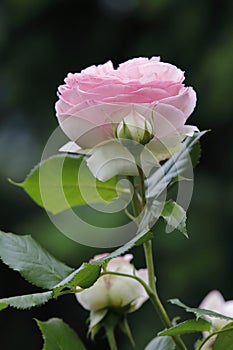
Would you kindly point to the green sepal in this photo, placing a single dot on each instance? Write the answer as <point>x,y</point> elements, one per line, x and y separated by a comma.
<point>95,321</point>
<point>124,326</point>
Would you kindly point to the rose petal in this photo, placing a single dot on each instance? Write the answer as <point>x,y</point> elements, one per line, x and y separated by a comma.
<point>185,101</point>
<point>96,317</point>
<point>70,147</point>
<point>167,120</point>
<point>111,159</point>
<point>164,149</point>
<point>148,161</point>
<point>85,133</point>
<point>93,103</point>
<point>213,301</point>
<point>189,130</point>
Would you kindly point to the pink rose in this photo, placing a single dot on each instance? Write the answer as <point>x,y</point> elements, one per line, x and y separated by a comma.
<point>214,301</point>
<point>94,102</point>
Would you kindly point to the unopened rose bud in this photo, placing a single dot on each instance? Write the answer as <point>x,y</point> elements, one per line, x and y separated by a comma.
<point>113,296</point>
<point>116,291</point>
<point>136,128</point>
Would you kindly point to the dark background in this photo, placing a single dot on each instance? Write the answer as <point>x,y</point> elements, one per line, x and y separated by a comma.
<point>40,42</point>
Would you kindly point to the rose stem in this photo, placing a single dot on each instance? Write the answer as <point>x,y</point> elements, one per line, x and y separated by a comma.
<point>151,274</point>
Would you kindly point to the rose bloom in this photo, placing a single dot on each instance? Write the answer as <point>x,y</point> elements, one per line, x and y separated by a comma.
<point>116,292</point>
<point>92,105</point>
<point>214,301</point>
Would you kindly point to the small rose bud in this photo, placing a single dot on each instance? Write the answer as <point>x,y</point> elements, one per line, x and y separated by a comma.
<point>116,292</point>
<point>136,128</point>
<point>113,296</point>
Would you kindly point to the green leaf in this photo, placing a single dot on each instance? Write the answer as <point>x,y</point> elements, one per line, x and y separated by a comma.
<point>178,179</point>
<point>26,301</point>
<point>62,182</point>
<point>161,343</point>
<point>3,306</point>
<point>84,277</point>
<point>58,335</point>
<point>96,316</point>
<point>195,153</point>
<point>177,168</point>
<point>189,326</point>
<point>170,211</point>
<point>35,264</point>
<point>146,237</point>
<point>199,312</point>
<point>224,339</point>
<point>175,216</point>
<point>178,165</point>
<point>138,239</point>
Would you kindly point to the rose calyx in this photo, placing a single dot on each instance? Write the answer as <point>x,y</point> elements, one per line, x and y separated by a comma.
<point>135,127</point>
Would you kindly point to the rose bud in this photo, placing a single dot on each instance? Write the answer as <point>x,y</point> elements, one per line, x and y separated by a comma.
<point>113,296</point>
<point>136,128</point>
<point>116,292</point>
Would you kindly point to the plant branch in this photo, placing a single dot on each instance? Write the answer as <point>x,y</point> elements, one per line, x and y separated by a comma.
<point>154,297</point>
<point>146,287</point>
<point>130,216</point>
<point>150,264</point>
<point>142,185</point>
<point>136,205</point>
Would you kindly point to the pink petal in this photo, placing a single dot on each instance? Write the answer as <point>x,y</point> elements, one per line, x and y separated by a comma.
<point>167,120</point>
<point>186,101</point>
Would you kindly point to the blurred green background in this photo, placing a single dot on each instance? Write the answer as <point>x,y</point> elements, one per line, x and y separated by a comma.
<point>40,42</point>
